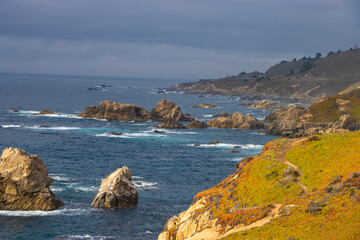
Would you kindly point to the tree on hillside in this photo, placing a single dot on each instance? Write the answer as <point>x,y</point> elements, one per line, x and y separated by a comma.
<point>330,53</point>
<point>318,55</point>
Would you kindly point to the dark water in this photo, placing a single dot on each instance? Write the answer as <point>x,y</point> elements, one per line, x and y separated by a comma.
<point>79,155</point>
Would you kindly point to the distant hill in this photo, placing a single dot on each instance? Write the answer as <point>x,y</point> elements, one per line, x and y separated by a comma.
<point>304,80</point>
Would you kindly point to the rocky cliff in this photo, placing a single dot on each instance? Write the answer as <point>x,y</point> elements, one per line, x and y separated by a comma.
<point>169,111</point>
<point>303,188</point>
<point>237,120</point>
<point>304,80</point>
<point>25,182</point>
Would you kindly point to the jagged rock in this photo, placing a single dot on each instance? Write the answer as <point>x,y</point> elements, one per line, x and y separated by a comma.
<point>14,110</point>
<point>196,124</point>
<point>236,147</point>
<point>113,111</point>
<point>214,142</point>
<point>237,120</point>
<point>24,182</point>
<point>233,151</point>
<point>224,114</point>
<point>117,190</point>
<point>204,105</point>
<point>44,126</point>
<point>158,131</point>
<point>171,125</point>
<point>167,110</point>
<point>44,112</point>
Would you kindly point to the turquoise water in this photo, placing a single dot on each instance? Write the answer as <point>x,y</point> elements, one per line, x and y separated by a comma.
<point>167,168</point>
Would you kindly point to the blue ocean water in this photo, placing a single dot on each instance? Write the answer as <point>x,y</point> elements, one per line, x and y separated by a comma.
<point>167,168</point>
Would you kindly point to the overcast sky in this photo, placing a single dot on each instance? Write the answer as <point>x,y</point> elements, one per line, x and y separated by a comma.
<point>169,38</point>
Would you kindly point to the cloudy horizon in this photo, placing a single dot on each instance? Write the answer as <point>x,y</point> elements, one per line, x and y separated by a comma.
<point>169,39</point>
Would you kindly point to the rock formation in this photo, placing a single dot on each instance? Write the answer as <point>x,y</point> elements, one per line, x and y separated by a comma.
<point>167,110</point>
<point>44,112</point>
<point>237,120</point>
<point>25,182</point>
<point>117,190</point>
<point>204,105</point>
<point>113,111</point>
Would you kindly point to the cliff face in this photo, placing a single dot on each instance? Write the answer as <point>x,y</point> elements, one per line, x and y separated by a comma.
<point>304,80</point>
<point>287,191</point>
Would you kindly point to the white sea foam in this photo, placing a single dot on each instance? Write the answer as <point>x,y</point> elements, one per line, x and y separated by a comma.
<point>208,116</point>
<point>143,185</point>
<point>63,211</point>
<point>54,128</point>
<point>11,126</point>
<point>136,177</point>
<point>60,178</point>
<point>29,112</point>
<point>88,236</point>
<point>227,145</point>
<point>85,189</point>
<point>56,189</point>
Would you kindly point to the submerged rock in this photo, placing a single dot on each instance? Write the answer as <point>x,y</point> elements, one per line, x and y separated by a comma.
<point>224,114</point>
<point>113,111</point>
<point>25,182</point>
<point>117,190</point>
<point>237,120</point>
<point>114,133</point>
<point>170,125</point>
<point>214,142</point>
<point>14,110</point>
<point>167,110</point>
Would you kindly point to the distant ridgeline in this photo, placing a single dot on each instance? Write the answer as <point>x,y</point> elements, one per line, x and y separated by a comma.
<point>304,80</point>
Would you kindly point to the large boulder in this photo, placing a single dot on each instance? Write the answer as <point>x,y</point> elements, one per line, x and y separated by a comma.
<point>113,111</point>
<point>117,190</point>
<point>24,182</point>
<point>237,120</point>
<point>167,110</point>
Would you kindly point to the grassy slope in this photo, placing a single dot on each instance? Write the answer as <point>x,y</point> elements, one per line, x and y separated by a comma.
<point>320,161</point>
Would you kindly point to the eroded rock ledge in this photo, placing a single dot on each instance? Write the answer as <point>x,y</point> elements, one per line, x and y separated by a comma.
<point>25,182</point>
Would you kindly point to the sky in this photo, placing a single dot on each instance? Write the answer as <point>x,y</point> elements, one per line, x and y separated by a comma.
<point>179,39</point>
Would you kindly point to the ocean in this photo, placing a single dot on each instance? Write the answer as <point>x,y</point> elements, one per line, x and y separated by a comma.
<point>167,168</point>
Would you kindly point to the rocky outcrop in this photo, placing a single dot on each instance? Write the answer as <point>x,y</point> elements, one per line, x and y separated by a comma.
<point>45,112</point>
<point>167,110</point>
<point>113,111</point>
<point>299,122</point>
<point>204,105</point>
<point>117,190</point>
<point>170,125</point>
<point>265,104</point>
<point>25,182</point>
<point>237,120</point>
<point>196,124</point>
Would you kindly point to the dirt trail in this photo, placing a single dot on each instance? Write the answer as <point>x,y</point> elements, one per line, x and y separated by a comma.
<point>281,157</point>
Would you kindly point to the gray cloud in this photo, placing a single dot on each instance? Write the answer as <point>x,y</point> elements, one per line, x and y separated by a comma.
<point>203,38</point>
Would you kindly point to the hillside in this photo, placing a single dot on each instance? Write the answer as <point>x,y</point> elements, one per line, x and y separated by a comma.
<point>304,80</point>
<point>305,188</point>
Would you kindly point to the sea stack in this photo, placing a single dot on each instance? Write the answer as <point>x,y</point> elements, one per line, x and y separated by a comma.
<point>117,190</point>
<point>25,183</point>
<point>167,110</point>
